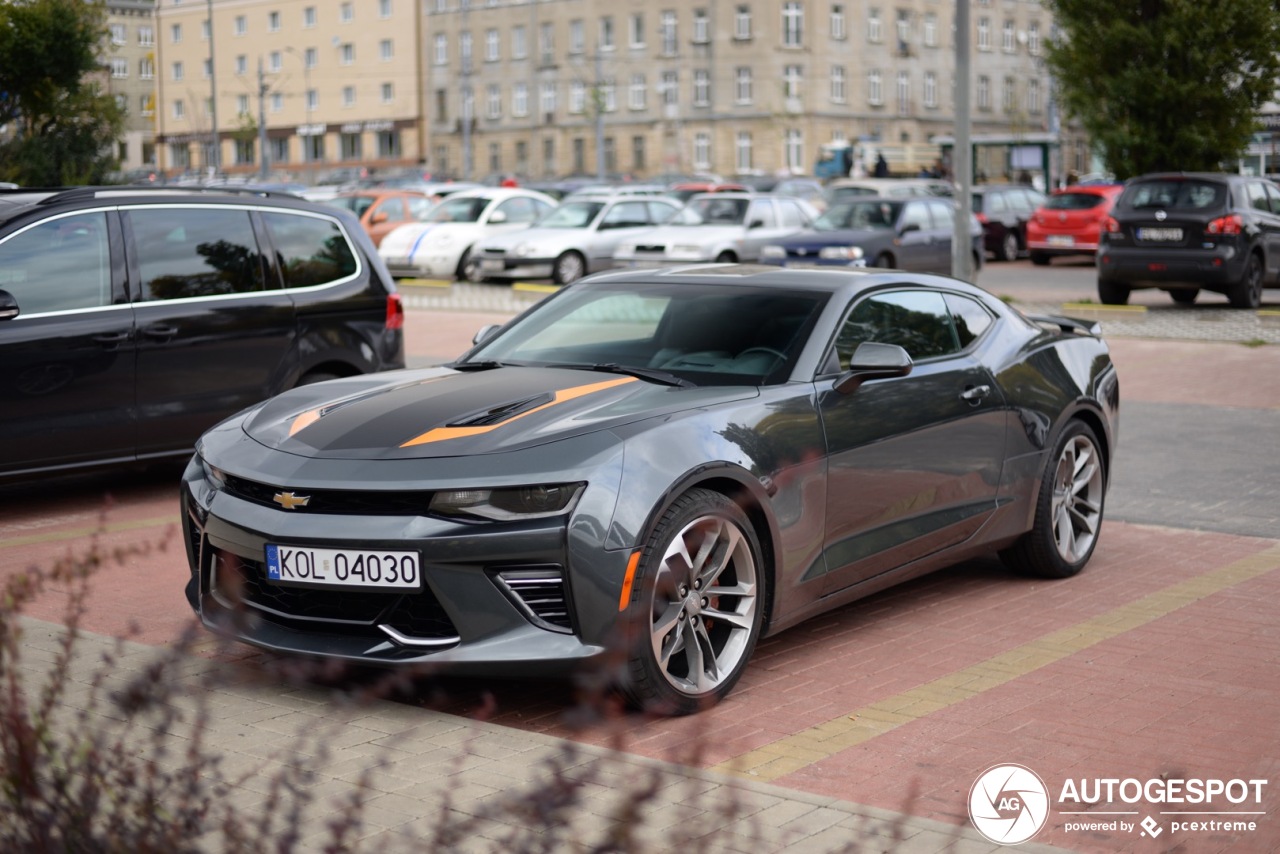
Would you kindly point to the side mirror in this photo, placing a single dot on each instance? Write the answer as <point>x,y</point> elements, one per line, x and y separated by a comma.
<point>485,333</point>
<point>910,227</point>
<point>378,218</point>
<point>873,361</point>
<point>497,218</point>
<point>756,223</point>
<point>8,306</point>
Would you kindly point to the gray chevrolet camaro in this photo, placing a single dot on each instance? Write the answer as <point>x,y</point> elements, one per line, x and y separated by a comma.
<point>648,471</point>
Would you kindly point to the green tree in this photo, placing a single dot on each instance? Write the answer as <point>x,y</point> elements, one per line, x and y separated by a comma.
<point>1166,84</point>
<point>59,127</point>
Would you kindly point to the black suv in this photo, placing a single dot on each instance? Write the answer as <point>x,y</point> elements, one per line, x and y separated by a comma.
<point>1186,231</point>
<point>133,319</point>
<point>1004,210</point>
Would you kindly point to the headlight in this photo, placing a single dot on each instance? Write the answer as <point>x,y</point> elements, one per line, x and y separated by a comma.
<point>522,250</point>
<point>505,505</point>
<point>215,476</point>
<point>772,251</point>
<point>624,249</point>
<point>841,253</point>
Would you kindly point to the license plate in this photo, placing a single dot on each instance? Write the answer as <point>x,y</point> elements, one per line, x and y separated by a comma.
<point>491,265</point>
<point>304,566</point>
<point>1164,235</point>
<point>1061,240</point>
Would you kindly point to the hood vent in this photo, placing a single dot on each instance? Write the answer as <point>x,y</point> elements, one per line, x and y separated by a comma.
<point>505,412</point>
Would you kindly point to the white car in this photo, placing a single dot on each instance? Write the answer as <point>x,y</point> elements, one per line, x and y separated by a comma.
<point>441,245</point>
<point>575,239</point>
<point>724,227</point>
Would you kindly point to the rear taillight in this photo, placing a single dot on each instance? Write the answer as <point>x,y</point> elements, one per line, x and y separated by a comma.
<point>395,312</point>
<point>982,218</point>
<point>1229,224</point>
<point>1110,226</point>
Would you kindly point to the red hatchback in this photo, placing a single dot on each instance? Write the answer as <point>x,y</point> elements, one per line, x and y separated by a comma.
<point>1069,221</point>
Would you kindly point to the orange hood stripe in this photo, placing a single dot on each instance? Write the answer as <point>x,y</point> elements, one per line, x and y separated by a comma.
<point>440,434</point>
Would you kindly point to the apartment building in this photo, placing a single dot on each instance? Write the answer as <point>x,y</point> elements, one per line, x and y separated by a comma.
<point>130,59</point>
<point>334,82</point>
<point>548,87</point>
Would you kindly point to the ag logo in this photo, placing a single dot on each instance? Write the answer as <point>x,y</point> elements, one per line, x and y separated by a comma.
<point>1008,804</point>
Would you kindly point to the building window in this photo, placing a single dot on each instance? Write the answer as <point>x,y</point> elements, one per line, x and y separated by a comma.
<point>794,145</point>
<point>547,43</point>
<point>388,93</point>
<point>1007,43</point>
<point>930,29</point>
<point>701,88</point>
<point>119,68</point>
<point>610,155</point>
<point>384,9</point>
<point>204,30</point>
<point>175,33</point>
<point>313,100</point>
<point>242,25</point>
<point>742,151</point>
<point>637,94</point>
<point>277,102</point>
<point>464,49</point>
<point>313,148</point>
<point>904,93</point>
<point>147,68</point>
<point>495,157</point>
<point>668,30</point>
<point>638,153</point>
<point>146,105</point>
<point>577,37</point>
<point>701,27</point>
<point>609,95</point>
<point>493,101</point>
<point>441,56</point>
<point>519,42</point>
<point>206,66</point>
<point>875,89</point>
<point>984,92</point>
<point>984,34</point>
<point>904,28</point>
<point>1033,96</point>
<point>146,36</point>
<point>742,85</point>
<point>875,33</point>
<point>388,144</point>
<point>520,99</point>
<point>242,64</point>
<point>309,17</point>
<point>491,50</point>
<point>635,29</point>
<point>742,22</point>
<point>549,156</point>
<point>670,88</point>
<point>179,108</point>
<point>279,150</point>
<point>702,150</point>
<point>347,53</point>
<point>275,61</point>
<point>242,105</point>
<point>577,97</point>
<point>348,96</point>
<point>792,24</point>
<point>579,155</point>
<point>1033,38</point>
<point>606,33</point>
<point>792,81</point>
<point>346,13</point>
<point>547,100</point>
<point>837,22</point>
<point>931,89</point>
<point>839,93</point>
<point>1009,98</point>
<point>386,50</point>
<point>118,35</point>
<point>310,57</point>
<point>273,22</point>
<point>351,148</point>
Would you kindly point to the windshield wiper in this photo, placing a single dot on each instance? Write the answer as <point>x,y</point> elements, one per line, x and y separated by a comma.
<point>650,374</point>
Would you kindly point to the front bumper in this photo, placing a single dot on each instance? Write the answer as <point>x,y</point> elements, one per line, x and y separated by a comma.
<point>469,617</point>
<point>429,264</point>
<point>516,268</point>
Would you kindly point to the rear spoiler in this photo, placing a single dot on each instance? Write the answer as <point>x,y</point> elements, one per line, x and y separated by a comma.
<point>1068,324</point>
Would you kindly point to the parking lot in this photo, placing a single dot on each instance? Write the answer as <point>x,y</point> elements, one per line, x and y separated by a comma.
<point>1160,662</point>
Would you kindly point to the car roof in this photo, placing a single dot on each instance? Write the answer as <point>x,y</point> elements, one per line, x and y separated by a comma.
<point>15,203</point>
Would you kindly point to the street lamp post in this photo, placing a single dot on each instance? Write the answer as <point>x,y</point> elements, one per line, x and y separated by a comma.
<point>306,96</point>
<point>214,158</point>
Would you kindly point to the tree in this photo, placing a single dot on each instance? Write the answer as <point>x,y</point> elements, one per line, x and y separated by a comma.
<point>59,126</point>
<point>1166,84</point>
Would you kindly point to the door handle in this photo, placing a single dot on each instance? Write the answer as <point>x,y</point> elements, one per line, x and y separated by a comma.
<point>160,331</point>
<point>112,339</point>
<point>975,393</point>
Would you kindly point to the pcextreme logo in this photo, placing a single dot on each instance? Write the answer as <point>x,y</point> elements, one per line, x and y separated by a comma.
<point>1009,804</point>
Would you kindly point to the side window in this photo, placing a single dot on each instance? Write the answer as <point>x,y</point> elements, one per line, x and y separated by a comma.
<point>58,265</point>
<point>944,216</point>
<point>196,252</point>
<point>1258,196</point>
<point>996,203</point>
<point>790,215</point>
<point>418,207</point>
<point>310,250</point>
<point>626,215</point>
<point>917,321</point>
<point>917,214</point>
<point>660,213</point>
<point>761,210</point>
<point>519,209</point>
<point>1273,195</point>
<point>970,318</point>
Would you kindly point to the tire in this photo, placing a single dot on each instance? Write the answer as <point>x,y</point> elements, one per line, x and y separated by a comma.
<point>1040,259</point>
<point>1112,293</point>
<point>1247,293</point>
<point>726,257</point>
<point>1069,509</point>
<point>468,268</point>
<point>675,591</point>
<point>1009,246</point>
<point>569,267</point>
<point>1184,296</point>
<point>884,259</point>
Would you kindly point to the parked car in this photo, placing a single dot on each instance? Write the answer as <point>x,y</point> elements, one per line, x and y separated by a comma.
<point>134,318</point>
<point>441,245</point>
<point>688,189</point>
<point>718,227</point>
<point>382,211</point>
<point>1004,210</point>
<point>1070,221</point>
<point>1187,231</point>
<point>648,471</point>
<point>907,234</point>
<point>842,189</point>
<point>572,240</point>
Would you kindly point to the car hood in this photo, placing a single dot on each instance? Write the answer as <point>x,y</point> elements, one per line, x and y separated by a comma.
<point>439,412</point>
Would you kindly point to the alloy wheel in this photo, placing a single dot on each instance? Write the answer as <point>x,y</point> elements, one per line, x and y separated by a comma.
<point>1076,508</point>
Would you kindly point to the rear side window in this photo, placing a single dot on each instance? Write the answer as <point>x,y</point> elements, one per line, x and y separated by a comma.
<point>310,250</point>
<point>1074,201</point>
<point>1175,194</point>
<point>970,318</point>
<point>195,252</point>
<point>58,265</point>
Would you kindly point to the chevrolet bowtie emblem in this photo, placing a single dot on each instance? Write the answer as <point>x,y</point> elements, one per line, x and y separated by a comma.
<point>289,501</point>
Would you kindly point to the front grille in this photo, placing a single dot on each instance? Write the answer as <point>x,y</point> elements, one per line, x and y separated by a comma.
<point>415,615</point>
<point>650,247</point>
<point>493,251</point>
<point>334,501</point>
<point>541,593</point>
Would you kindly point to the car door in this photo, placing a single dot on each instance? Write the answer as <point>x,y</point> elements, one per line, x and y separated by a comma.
<point>66,387</point>
<point>914,462</point>
<point>762,227</point>
<point>386,214</point>
<point>1264,197</point>
<point>917,247</point>
<point>944,224</point>
<point>622,221</point>
<point>207,321</point>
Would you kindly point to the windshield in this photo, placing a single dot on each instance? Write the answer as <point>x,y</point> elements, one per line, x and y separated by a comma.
<point>571,215</point>
<point>713,211</point>
<point>861,214</point>
<point>706,334</point>
<point>465,209</point>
